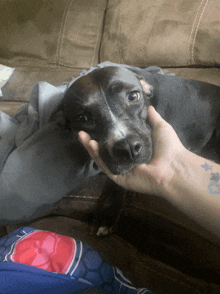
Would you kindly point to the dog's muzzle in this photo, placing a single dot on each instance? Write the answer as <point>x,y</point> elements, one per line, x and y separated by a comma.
<point>127,150</point>
<point>123,155</point>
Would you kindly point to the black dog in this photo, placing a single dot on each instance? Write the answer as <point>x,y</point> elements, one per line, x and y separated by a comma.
<point>110,104</point>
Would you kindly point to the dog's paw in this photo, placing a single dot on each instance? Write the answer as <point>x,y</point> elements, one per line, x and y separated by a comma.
<point>101,231</point>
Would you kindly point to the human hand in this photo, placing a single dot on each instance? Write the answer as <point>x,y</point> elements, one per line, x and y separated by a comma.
<point>148,177</point>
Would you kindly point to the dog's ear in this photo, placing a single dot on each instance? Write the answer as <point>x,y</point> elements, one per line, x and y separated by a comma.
<point>59,117</point>
<point>147,88</point>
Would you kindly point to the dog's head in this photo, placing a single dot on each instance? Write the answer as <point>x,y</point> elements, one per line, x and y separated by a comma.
<point>110,104</point>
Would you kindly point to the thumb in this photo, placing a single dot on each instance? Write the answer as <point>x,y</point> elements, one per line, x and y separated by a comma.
<point>155,118</point>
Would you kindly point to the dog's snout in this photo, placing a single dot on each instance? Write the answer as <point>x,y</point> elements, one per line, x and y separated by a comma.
<point>128,150</point>
<point>136,148</point>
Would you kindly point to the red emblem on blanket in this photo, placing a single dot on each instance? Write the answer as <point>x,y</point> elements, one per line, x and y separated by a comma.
<point>45,250</point>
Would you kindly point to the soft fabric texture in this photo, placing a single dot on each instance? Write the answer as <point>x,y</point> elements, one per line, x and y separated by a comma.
<point>165,33</point>
<point>45,33</point>
<point>140,33</point>
<point>35,261</point>
<point>39,164</point>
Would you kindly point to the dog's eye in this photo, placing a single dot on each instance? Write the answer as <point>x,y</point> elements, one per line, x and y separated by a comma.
<point>134,96</point>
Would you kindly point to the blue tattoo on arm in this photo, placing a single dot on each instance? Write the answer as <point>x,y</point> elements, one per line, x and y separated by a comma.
<point>215,177</point>
<point>213,186</point>
<point>206,167</point>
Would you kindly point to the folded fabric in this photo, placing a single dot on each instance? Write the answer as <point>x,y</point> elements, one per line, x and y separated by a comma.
<point>5,74</point>
<point>35,261</point>
<point>39,162</point>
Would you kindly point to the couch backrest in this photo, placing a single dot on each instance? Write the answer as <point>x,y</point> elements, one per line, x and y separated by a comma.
<point>51,32</point>
<point>80,33</point>
<point>162,32</point>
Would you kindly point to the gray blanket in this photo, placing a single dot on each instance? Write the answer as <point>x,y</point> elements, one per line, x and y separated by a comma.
<point>38,163</point>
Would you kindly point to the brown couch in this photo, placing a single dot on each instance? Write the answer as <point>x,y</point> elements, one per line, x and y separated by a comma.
<point>155,245</point>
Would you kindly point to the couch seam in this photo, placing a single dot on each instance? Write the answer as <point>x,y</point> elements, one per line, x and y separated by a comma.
<point>151,30</point>
<point>117,42</point>
<point>194,23</point>
<point>60,38</point>
<point>99,36</point>
<point>193,45</point>
<point>195,29</point>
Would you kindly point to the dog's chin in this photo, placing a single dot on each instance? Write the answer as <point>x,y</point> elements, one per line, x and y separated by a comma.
<point>121,169</point>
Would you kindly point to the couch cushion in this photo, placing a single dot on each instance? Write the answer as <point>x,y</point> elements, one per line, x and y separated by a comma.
<point>23,79</point>
<point>162,32</point>
<point>18,88</point>
<point>51,33</point>
<point>208,75</point>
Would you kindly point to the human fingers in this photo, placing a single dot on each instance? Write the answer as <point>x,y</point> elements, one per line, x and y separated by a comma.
<point>85,140</point>
<point>155,118</point>
<point>92,148</point>
<point>166,141</point>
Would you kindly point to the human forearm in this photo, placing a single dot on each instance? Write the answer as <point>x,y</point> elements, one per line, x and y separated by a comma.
<point>195,189</point>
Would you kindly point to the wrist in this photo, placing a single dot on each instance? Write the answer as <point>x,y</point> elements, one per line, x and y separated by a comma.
<point>188,178</point>
<point>167,174</point>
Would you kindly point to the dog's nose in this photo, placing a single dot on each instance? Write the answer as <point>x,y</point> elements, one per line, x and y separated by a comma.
<point>127,149</point>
